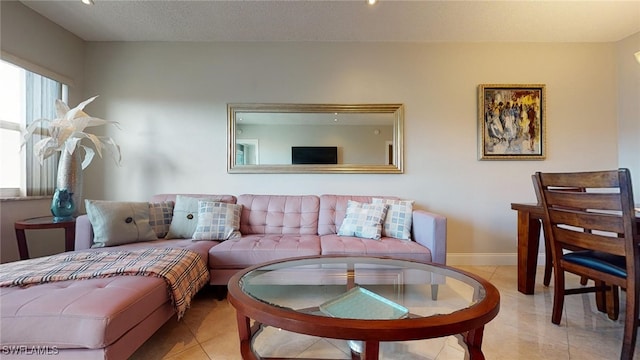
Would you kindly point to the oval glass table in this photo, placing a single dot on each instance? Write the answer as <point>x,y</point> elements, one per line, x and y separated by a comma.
<point>367,302</point>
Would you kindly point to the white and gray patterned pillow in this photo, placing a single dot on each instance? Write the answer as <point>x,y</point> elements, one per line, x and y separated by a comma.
<point>397,223</point>
<point>217,221</point>
<point>160,215</point>
<point>363,220</point>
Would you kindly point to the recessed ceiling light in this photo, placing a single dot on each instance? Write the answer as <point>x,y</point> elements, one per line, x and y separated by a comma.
<point>87,2</point>
<point>372,2</point>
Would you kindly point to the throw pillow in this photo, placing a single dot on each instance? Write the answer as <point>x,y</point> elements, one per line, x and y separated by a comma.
<point>185,216</point>
<point>116,223</point>
<point>160,215</point>
<point>397,223</point>
<point>363,220</point>
<point>217,221</point>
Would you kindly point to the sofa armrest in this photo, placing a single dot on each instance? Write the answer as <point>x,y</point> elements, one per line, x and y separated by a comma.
<point>430,230</point>
<point>84,233</point>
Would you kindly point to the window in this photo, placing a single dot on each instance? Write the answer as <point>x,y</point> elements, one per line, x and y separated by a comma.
<point>11,113</point>
<point>25,97</point>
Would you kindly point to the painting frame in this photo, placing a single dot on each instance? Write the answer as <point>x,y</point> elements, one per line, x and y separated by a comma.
<point>505,127</point>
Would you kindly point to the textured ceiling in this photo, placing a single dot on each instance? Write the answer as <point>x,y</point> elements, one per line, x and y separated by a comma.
<point>345,20</point>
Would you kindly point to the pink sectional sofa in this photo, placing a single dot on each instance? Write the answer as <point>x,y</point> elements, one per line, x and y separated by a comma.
<point>110,318</point>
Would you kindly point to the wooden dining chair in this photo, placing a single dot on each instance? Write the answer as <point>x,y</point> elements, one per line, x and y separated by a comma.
<point>600,220</point>
<point>548,259</point>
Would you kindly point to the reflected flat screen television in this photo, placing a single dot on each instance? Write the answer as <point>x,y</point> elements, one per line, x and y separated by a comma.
<point>313,155</point>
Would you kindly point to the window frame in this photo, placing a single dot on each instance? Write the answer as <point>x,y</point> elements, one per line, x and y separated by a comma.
<point>29,169</point>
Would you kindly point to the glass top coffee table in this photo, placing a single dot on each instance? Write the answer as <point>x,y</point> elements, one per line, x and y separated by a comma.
<point>364,301</point>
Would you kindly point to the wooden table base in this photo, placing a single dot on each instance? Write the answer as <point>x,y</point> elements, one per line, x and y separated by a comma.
<point>43,223</point>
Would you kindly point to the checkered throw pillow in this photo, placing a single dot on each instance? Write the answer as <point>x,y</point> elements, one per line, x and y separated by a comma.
<point>217,221</point>
<point>160,215</point>
<point>397,223</point>
<point>363,220</point>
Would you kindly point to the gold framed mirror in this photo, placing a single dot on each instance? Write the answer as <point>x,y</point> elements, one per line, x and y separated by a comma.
<point>315,138</point>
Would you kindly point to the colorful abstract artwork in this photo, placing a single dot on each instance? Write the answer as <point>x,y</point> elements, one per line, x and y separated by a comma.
<point>511,122</point>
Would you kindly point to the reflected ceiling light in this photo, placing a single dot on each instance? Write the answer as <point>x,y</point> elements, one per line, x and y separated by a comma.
<point>88,2</point>
<point>372,2</point>
<point>638,56</point>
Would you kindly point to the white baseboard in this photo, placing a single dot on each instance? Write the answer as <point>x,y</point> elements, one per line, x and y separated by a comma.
<point>487,259</point>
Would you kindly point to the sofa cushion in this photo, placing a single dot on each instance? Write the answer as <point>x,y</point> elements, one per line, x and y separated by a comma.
<point>116,223</point>
<point>386,246</point>
<point>333,209</point>
<point>279,214</point>
<point>78,313</point>
<point>254,249</point>
<point>185,216</point>
<point>363,220</point>
<point>397,222</point>
<point>217,221</point>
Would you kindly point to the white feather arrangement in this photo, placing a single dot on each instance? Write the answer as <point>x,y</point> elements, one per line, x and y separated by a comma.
<point>67,131</point>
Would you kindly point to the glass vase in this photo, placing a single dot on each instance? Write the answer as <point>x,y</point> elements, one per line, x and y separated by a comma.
<point>62,206</point>
<point>68,195</point>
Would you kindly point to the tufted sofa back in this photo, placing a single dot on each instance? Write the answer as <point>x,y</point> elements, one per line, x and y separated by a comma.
<point>172,197</point>
<point>333,209</point>
<point>279,214</point>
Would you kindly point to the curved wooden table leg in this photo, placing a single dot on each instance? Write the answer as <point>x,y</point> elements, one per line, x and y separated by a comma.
<point>23,249</point>
<point>245,332</point>
<point>371,350</point>
<point>473,339</point>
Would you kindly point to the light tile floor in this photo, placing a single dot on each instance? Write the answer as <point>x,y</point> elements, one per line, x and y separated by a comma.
<point>522,329</point>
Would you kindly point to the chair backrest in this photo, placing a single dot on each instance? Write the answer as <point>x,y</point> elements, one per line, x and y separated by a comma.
<point>537,189</point>
<point>599,217</point>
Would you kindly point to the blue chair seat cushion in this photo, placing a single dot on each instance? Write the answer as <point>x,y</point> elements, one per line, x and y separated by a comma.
<point>607,263</point>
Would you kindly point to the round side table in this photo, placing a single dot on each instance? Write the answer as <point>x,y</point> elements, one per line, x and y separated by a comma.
<point>42,223</point>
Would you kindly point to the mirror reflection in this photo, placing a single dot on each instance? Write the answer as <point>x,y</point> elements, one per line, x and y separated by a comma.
<point>312,138</point>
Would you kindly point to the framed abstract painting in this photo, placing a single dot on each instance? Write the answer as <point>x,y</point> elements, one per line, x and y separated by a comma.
<point>511,122</point>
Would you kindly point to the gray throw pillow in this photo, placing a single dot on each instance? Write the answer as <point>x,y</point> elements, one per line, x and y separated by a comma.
<point>185,216</point>
<point>116,223</point>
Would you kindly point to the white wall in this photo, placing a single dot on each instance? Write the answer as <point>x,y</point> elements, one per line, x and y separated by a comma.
<point>26,35</point>
<point>628,77</point>
<point>171,101</point>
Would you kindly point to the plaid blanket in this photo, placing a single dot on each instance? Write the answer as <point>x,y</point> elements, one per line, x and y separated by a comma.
<point>184,271</point>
